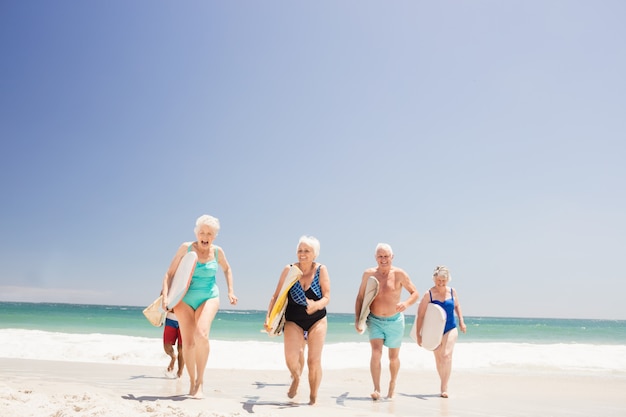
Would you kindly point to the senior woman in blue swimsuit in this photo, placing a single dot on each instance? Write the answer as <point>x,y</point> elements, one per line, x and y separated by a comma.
<point>305,317</point>
<point>447,299</point>
<point>200,304</point>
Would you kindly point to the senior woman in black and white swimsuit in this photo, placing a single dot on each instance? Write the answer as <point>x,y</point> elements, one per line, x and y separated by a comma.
<point>305,317</point>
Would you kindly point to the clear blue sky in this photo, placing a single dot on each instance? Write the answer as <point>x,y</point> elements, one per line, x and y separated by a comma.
<point>489,136</point>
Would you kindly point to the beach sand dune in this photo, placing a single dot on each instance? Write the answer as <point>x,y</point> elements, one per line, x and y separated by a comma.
<point>64,389</point>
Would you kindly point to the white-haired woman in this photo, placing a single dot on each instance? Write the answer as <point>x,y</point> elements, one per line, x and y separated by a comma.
<point>199,306</point>
<point>447,298</point>
<point>305,317</point>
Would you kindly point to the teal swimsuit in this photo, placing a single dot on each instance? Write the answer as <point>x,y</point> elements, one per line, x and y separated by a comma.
<point>203,286</point>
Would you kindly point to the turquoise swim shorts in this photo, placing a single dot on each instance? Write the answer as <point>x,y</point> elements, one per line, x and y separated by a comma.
<point>390,329</point>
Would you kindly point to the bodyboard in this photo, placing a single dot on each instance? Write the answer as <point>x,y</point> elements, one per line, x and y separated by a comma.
<point>276,317</point>
<point>182,279</point>
<point>154,312</point>
<point>371,291</point>
<point>432,328</point>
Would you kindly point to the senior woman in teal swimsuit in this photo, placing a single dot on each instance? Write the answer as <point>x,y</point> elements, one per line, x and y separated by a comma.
<point>199,306</point>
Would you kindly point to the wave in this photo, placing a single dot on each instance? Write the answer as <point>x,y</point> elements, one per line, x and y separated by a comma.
<point>120,349</point>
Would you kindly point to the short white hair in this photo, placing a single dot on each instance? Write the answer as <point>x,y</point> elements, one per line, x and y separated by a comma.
<point>312,242</point>
<point>384,246</point>
<point>442,271</point>
<point>206,220</point>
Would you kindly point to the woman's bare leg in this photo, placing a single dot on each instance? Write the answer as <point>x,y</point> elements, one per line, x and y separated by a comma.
<point>187,323</point>
<point>204,318</point>
<point>316,338</point>
<point>443,359</point>
<point>294,354</point>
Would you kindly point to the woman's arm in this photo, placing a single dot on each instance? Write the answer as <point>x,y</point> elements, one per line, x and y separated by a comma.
<point>457,308</point>
<point>314,306</point>
<point>228,275</point>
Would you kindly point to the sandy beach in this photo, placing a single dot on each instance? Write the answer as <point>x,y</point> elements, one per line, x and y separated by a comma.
<point>55,388</point>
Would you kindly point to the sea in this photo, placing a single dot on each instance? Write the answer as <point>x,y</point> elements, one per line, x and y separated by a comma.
<point>122,335</point>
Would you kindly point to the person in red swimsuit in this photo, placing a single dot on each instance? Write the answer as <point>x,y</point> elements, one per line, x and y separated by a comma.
<point>171,337</point>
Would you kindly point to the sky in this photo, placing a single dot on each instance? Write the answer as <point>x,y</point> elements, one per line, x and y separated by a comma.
<point>488,136</point>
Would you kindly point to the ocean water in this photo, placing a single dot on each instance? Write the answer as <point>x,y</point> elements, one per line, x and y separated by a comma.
<point>247,325</point>
<point>121,334</point>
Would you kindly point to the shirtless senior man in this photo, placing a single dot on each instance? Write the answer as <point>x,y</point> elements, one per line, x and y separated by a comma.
<point>385,322</point>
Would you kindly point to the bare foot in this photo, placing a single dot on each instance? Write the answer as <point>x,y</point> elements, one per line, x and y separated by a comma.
<point>293,389</point>
<point>444,395</point>
<point>375,395</point>
<point>392,387</point>
<point>312,400</point>
<point>199,394</point>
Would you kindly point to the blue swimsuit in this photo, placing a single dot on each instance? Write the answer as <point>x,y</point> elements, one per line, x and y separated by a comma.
<point>203,286</point>
<point>448,306</point>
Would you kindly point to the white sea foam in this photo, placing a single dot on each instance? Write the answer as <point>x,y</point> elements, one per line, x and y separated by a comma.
<point>105,348</point>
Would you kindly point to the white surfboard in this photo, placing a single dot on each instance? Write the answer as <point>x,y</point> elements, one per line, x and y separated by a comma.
<point>371,291</point>
<point>182,279</point>
<point>432,328</point>
<point>276,317</point>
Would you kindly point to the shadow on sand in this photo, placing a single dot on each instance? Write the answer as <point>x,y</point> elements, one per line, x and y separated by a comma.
<point>156,397</point>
